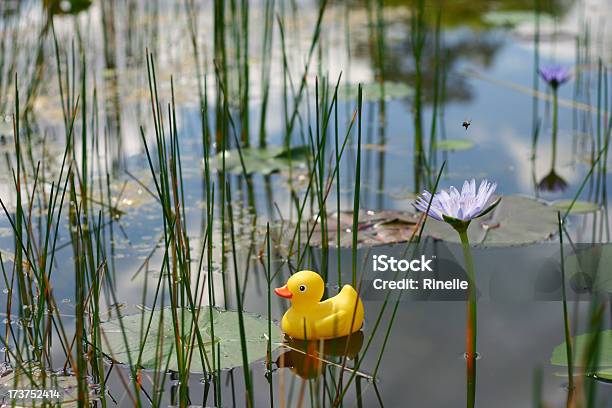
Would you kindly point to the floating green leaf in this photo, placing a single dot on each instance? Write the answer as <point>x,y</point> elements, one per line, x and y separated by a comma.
<point>580,346</point>
<point>373,91</point>
<point>515,221</point>
<point>588,268</point>
<point>604,374</point>
<point>261,160</point>
<point>454,144</point>
<point>30,377</point>
<point>514,18</point>
<point>162,338</point>
<point>578,207</point>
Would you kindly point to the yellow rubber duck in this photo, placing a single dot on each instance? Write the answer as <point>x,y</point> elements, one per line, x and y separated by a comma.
<point>309,318</point>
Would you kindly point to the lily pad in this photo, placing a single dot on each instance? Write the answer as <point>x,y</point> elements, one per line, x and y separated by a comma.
<point>375,228</point>
<point>589,268</point>
<point>226,337</point>
<point>261,160</point>
<point>604,374</point>
<point>373,92</point>
<point>454,144</point>
<point>403,194</point>
<point>127,194</point>
<point>66,386</point>
<point>514,18</point>
<point>516,220</point>
<point>580,346</point>
<point>579,207</point>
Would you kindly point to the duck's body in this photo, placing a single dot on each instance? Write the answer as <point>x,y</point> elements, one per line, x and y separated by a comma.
<point>309,318</point>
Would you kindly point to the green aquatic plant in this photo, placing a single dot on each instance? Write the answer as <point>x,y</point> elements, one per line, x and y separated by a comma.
<point>453,145</point>
<point>264,161</point>
<point>62,225</point>
<point>576,207</point>
<point>144,347</point>
<point>375,91</point>
<point>458,209</point>
<point>555,76</point>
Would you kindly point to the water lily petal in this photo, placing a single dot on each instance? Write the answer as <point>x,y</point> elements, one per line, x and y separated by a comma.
<point>464,205</point>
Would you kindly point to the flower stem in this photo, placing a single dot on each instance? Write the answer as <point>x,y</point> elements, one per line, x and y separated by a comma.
<point>555,126</point>
<point>471,324</point>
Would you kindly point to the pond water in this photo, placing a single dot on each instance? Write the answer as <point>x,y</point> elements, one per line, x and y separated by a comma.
<point>475,86</point>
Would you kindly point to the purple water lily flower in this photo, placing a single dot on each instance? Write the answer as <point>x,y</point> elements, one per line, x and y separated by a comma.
<point>555,75</point>
<point>452,206</point>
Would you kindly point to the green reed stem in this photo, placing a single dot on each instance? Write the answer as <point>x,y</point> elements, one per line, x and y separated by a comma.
<point>590,172</point>
<point>417,42</point>
<point>342,389</point>
<point>321,139</point>
<point>265,67</point>
<point>298,97</point>
<point>436,91</point>
<point>537,388</point>
<point>566,324</point>
<point>269,304</point>
<point>357,189</point>
<point>416,239</point>
<point>244,10</point>
<point>241,327</point>
<point>598,119</point>
<point>337,151</point>
<point>471,326</point>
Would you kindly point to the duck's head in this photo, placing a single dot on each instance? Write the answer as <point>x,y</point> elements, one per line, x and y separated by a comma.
<point>302,287</point>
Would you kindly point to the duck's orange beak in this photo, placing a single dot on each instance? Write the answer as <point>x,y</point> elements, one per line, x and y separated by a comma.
<point>283,291</point>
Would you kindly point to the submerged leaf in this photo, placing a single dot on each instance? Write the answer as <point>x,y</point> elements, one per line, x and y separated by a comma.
<point>261,160</point>
<point>159,346</point>
<point>516,221</point>
<point>588,268</point>
<point>374,92</point>
<point>454,144</point>
<point>578,207</point>
<point>581,345</point>
<point>375,228</point>
<point>513,18</point>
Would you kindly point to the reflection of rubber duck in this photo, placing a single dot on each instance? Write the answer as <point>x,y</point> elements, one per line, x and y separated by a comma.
<point>347,346</point>
<point>305,359</point>
<point>307,366</point>
<point>309,318</point>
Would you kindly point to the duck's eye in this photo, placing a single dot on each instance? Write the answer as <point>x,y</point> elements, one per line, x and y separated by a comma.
<point>302,288</point>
